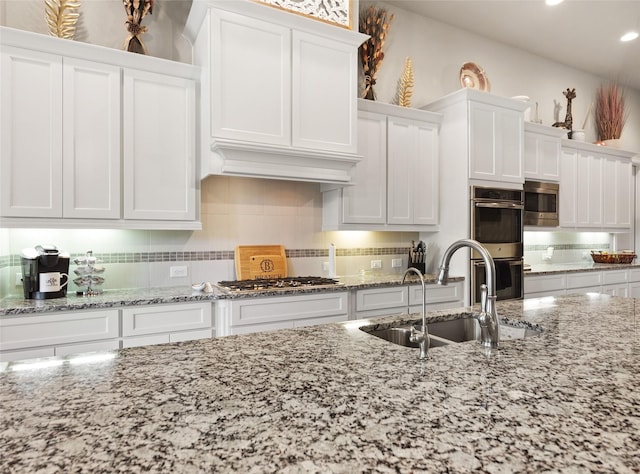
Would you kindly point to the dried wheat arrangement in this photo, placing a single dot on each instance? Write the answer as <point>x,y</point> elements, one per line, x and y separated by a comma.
<point>374,21</point>
<point>62,16</point>
<point>136,10</point>
<point>404,91</point>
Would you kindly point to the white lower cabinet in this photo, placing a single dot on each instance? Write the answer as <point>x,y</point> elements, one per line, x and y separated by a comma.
<point>247,315</point>
<point>544,285</point>
<point>382,301</point>
<point>624,282</point>
<point>634,283</point>
<point>159,324</point>
<point>64,333</point>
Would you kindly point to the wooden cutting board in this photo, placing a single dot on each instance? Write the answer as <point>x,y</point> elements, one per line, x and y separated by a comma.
<point>260,261</point>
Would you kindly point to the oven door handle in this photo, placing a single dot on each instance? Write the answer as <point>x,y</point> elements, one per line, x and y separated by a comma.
<point>499,205</point>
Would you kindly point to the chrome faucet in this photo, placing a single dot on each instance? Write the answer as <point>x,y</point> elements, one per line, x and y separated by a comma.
<point>488,318</point>
<point>420,336</point>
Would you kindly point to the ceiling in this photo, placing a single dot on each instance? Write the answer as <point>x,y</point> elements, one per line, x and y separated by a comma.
<point>584,34</point>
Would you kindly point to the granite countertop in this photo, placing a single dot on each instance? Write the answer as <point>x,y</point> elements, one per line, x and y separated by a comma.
<point>15,305</point>
<point>550,268</point>
<point>331,398</point>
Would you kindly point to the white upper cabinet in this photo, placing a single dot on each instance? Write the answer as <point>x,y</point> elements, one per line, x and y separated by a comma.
<point>159,147</point>
<point>490,127</point>
<point>250,79</point>
<point>279,92</point>
<point>82,149</point>
<point>396,185</point>
<point>31,130</point>
<point>91,139</point>
<point>542,148</point>
<point>596,186</point>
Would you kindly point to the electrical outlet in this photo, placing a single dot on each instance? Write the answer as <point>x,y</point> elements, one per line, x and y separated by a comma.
<point>376,264</point>
<point>325,266</point>
<point>19,279</point>
<point>396,262</point>
<point>178,272</point>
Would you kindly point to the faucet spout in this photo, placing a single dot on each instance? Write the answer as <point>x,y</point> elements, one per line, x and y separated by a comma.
<point>420,336</point>
<point>488,317</point>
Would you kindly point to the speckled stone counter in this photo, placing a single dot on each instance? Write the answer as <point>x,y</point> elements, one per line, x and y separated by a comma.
<point>332,398</point>
<point>550,268</point>
<point>128,297</point>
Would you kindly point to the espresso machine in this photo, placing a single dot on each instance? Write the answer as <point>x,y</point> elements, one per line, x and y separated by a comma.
<point>45,272</point>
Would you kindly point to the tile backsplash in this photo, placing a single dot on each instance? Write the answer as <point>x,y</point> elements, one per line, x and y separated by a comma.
<point>563,247</point>
<point>234,211</point>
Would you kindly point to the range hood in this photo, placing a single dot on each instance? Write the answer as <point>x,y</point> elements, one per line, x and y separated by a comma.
<point>233,158</point>
<point>279,92</point>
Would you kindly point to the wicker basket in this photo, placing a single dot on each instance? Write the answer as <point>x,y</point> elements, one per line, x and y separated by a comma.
<point>605,257</point>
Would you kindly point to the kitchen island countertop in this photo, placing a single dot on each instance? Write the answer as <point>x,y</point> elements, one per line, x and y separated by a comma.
<point>332,398</point>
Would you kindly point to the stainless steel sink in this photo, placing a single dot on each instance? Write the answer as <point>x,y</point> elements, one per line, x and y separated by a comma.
<point>402,337</point>
<point>444,333</point>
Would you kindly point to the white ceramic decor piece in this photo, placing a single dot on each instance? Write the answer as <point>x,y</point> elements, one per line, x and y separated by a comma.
<point>336,11</point>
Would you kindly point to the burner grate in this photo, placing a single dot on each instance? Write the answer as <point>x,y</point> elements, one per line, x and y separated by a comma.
<point>266,284</point>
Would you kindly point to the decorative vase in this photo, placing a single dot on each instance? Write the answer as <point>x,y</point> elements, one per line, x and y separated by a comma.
<point>136,10</point>
<point>612,142</point>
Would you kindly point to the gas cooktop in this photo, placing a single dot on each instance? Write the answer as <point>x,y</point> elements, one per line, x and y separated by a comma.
<point>268,284</point>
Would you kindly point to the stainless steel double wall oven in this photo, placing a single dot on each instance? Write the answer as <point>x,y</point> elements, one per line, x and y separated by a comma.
<point>497,223</point>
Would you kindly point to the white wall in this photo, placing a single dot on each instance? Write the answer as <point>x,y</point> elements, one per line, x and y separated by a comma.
<point>438,51</point>
<point>101,22</point>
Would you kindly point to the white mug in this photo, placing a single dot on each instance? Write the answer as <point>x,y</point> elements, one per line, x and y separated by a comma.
<point>50,282</point>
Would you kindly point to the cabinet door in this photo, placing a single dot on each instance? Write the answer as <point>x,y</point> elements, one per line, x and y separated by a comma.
<point>412,170</point>
<point>91,140</point>
<point>59,328</point>
<point>589,190</point>
<point>541,157</point>
<point>366,201</point>
<point>251,79</point>
<point>31,134</point>
<point>324,94</point>
<point>159,147</point>
<point>495,143</point>
<point>617,185</point>
<point>166,319</point>
<point>568,205</point>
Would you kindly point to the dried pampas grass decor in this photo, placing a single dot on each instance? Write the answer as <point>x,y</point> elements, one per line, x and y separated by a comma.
<point>610,113</point>
<point>62,16</point>
<point>405,85</point>
<point>374,21</point>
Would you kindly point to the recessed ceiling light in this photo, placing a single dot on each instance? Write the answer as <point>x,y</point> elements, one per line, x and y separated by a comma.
<point>630,36</point>
<point>553,2</point>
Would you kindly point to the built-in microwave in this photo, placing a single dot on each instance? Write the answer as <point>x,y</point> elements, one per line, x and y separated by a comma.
<point>541,203</point>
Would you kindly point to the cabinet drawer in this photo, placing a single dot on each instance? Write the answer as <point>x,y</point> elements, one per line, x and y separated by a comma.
<point>582,280</point>
<point>436,294</point>
<point>287,308</point>
<point>69,349</point>
<point>614,276</point>
<point>544,284</point>
<point>140,341</point>
<point>190,335</point>
<point>157,319</point>
<point>8,356</point>
<point>634,274</point>
<point>381,298</point>
<point>57,328</point>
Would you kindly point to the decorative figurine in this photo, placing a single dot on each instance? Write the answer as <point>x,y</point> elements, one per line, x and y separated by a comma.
<point>570,94</point>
